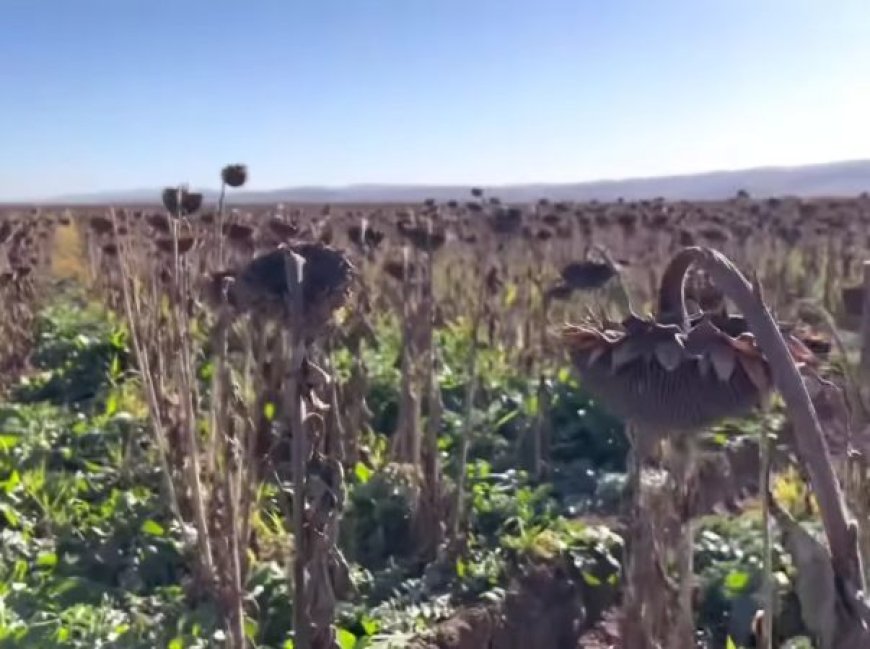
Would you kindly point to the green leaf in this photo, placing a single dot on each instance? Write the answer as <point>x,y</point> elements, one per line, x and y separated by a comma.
<point>729,643</point>
<point>461,568</point>
<point>118,631</point>
<point>10,514</point>
<point>46,560</point>
<point>346,639</point>
<point>175,643</point>
<point>510,416</point>
<point>12,481</point>
<point>206,372</point>
<point>288,644</point>
<point>269,411</point>
<point>591,579</point>
<point>112,404</point>
<point>369,625</point>
<point>153,528</point>
<point>118,339</point>
<point>250,629</point>
<point>115,367</point>
<point>362,472</point>
<point>532,405</point>
<point>736,581</point>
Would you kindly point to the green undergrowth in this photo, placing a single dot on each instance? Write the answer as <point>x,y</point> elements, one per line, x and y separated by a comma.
<point>90,556</point>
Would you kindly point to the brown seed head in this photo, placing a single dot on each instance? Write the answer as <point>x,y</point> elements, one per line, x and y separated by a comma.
<point>234,175</point>
<point>261,286</point>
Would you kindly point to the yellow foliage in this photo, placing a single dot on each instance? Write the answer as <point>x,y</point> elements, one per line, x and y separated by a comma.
<point>68,257</point>
<point>792,493</point>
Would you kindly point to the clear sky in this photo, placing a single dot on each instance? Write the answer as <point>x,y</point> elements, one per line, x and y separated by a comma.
<point>123,94</point>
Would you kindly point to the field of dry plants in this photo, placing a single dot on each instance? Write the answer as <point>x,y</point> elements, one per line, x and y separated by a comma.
<point>457,426</point>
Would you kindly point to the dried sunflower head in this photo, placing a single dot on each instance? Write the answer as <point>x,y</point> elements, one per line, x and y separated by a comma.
<point>170,199</point>
<point>181,201</point>
<point>427,236</point>
<point>185,245</point>
<point>665,379</point>
<point>100,224</point>
<point>506,220</point>
<point>260,287</point>
<point>190,202</point>
<point>364,236</point>
<point>585,275</point>
<point>559,292</point>
<point>282,229</point>
<point>158,222</point>
<point>238,232</point>
<point>674,373</point>
<point>234,175</point>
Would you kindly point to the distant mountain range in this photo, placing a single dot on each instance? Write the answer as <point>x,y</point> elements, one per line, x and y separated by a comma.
<point>829,179</point>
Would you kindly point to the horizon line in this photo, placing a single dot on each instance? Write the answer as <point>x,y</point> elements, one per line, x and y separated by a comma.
<point>97,194</point>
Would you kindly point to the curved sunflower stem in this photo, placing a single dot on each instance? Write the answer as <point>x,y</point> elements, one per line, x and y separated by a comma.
<point>812,449</point>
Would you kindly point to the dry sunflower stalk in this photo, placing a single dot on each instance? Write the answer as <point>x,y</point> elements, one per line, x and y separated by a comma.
<point>631,366</point>
<point>667,376</point>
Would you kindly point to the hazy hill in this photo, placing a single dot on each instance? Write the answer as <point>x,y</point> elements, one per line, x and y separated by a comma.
<point>829,179</point>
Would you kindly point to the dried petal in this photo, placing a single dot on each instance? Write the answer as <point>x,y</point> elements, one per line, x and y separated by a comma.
<point>745,344</point>
<point>596,354</point>
<point>800,352</point>
<point>703,366</point>
<point>581,338</point>
<point>670,354</point>
<point>703,337</point>
<point>756,370</point>
<point>625,352</point>
<point>724,359</point>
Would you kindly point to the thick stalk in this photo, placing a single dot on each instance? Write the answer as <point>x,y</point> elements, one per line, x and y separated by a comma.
<point>865,325</point>
<point>147,379</point>
<point>408,447</point>
<point>295,407</point>
<point>219,225</point>
<point>767,559</point>
<point>235,551</point>
<point>811,446</point>
<point>682,461</point>
<point>193,461</point>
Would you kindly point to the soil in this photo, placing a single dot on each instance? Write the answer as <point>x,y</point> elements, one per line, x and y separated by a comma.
<point>544,608</point>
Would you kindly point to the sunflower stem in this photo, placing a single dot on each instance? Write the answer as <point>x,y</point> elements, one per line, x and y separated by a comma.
<point>812,449</point>
<point>767,558</point>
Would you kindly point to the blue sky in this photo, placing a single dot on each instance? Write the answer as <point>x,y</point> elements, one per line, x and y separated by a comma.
<point>122,94</point>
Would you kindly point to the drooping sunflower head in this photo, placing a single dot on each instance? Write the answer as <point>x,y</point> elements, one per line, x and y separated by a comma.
<point>674,372</point>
